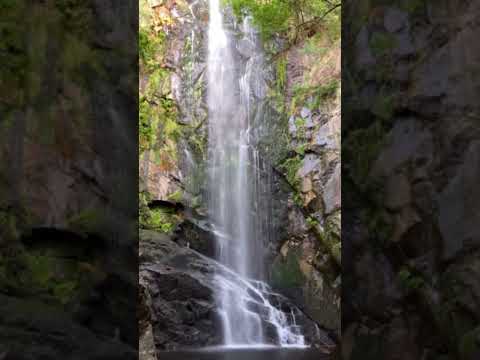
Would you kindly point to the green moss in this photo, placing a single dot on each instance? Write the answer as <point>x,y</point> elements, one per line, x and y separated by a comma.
<point>378,223</point>
<point>78,54</point>
<point>77,15</point>
<point>87,221</point>
<point>146,131</point>
<point>65,291</point>
<point>49,277</point>
<point>336,252</point>
<point>361,148</point>
<point>329,238</point>
<point>13,51</point>
<point>412,6</point>
<point>313,96</point>
<point>158,219</point>
<point>281,73</point>
<point>297,199</point>
<point>290,168</point>
<point>286,273</point>
<point>301,149</point>
<point>312,222</point>
<point>382,43</point>
<point>151,46</point>
<point>8,225</point>
<point>39,270</point>
<point>409,280</point>
<point>161,220</point>
<point>470,344</point>
<point>177,196</point>
<point>384,106</point>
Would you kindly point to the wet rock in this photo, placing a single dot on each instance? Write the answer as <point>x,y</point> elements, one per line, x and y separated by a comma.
<point>182,286</point>
<point>198,235</point>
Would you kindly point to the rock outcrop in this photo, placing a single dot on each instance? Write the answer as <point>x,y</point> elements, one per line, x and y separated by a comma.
<point>178,287</point>
<point>411,144</point>
<point>67,180</point>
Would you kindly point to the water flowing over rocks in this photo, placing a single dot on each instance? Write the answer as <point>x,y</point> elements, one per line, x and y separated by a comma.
<point>302,265</point>
<point>178,287</point>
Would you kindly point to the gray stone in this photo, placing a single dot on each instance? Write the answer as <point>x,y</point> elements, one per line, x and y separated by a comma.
<point>246,48</point>
<point>311,162</point>
<point>292,127</point>
<point>309,123</point>
<point>332,195</point>
<point>397,192</point>
<point>444,75</point>
<point>405,141</point>
<point>459,208</point>
<point>364,58</point>
<point>324,138</point>
<point>395,20</point>
<point>305,113</point>
<point>403,45</point>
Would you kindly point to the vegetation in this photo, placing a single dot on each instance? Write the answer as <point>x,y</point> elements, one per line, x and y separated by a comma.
<point>286,273</point>
<point>409,280</point>
<point>290,19</point>
<point>313,96</point>
<point>159,219</point>
<point>291,167</point>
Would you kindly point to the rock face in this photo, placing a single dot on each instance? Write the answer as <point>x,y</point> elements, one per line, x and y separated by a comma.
<point>307,268</point>
<point>412,154</point>
<point>67,198</point>
<point>302,244</point>
<point>178,287</point>
<point>32,329</point>
<point>61,160</point>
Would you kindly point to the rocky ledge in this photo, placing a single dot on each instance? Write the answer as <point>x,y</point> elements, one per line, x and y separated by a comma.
<point>178,305</point>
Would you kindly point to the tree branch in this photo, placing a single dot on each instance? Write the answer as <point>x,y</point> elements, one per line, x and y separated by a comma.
<point>302,25</point>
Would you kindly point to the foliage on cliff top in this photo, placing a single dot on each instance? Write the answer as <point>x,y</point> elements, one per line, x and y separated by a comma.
<point>291,19</point>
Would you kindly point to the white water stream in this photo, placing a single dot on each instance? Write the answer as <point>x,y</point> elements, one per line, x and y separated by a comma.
<point>248,317</point>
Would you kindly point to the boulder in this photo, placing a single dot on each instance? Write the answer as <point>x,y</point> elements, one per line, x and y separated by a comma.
<point>182,285</point>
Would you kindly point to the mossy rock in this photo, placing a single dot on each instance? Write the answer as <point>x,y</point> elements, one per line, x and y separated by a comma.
<point>469,347</point>
<point>286,272</point>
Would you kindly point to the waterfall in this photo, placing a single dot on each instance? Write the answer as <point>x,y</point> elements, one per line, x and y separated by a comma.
<point>248,318</point>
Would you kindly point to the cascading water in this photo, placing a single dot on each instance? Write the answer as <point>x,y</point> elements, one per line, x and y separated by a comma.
<point>248,317</point>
